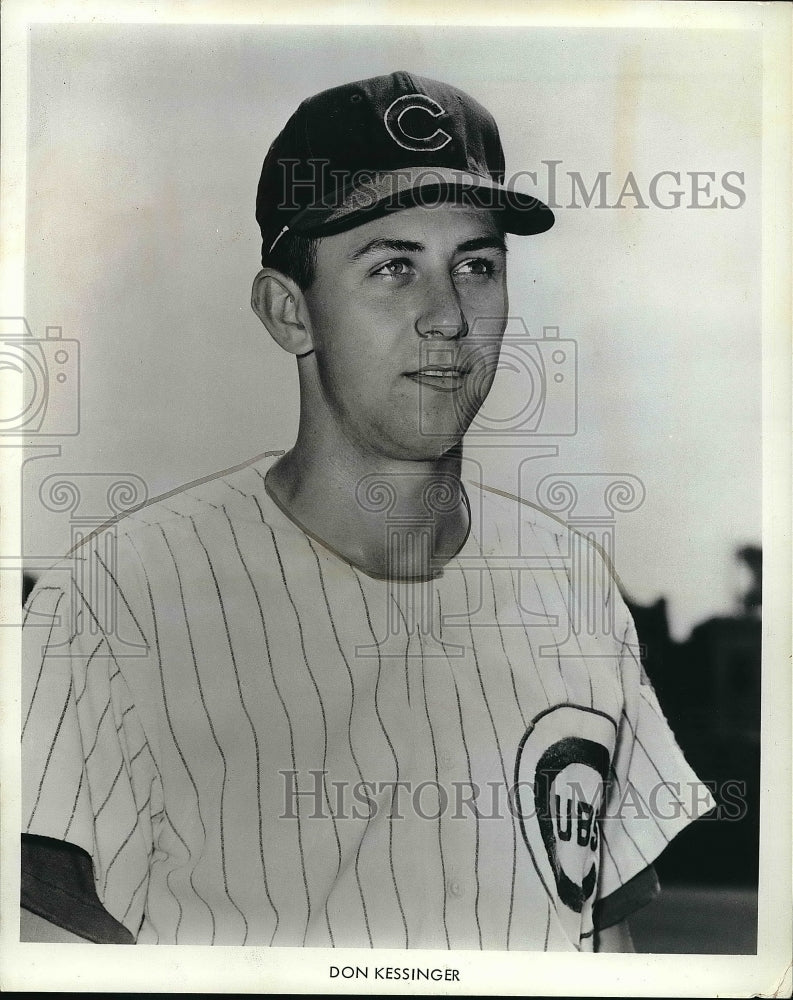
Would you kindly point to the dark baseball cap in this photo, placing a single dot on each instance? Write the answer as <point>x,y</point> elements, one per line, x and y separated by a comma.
<point>359,151</point>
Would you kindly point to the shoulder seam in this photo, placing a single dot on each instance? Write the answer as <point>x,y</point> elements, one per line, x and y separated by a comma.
<point>562,524</point>
<point>164,496</point>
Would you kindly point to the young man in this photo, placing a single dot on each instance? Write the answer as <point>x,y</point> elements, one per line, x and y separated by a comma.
<point>335,697</point>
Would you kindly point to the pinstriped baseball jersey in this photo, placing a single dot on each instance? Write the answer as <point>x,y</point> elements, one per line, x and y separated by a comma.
<point>257,743</point>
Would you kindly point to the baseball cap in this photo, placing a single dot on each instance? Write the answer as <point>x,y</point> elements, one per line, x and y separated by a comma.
<point>361,150</point>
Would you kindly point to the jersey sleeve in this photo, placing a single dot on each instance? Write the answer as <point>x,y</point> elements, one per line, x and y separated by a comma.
<point>57,883</point>
<point>88,775</point>
<point>653,793</point>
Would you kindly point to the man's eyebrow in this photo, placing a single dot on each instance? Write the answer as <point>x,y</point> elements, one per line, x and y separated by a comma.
<point>382,243</point>
<point>492,241</point>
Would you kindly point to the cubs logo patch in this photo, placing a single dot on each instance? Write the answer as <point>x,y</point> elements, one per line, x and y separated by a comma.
<point>561,771</point>
<point>397,128</point>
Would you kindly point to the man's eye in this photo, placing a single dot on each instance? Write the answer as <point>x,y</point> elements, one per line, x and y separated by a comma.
<point>477,266</point>
<point>393,268</point>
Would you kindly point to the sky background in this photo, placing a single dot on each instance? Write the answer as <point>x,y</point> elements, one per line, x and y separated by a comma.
<point>145,146</point>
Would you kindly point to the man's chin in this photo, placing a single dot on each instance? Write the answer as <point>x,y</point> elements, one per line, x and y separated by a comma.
<point>435,448</point>
<point>413,443</point>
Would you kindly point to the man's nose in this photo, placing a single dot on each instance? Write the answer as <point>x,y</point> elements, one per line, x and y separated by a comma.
<point>441,316</point>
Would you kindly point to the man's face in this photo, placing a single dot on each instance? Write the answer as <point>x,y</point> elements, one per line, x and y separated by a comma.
<point>407,313</point>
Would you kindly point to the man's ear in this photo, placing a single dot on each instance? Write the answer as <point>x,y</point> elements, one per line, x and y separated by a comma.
<point>280,305</point>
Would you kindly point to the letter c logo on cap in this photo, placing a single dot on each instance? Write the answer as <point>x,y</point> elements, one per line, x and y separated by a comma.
<point>419,144</point>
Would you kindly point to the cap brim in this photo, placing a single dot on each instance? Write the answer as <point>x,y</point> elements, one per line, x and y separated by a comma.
<point>379,194</point>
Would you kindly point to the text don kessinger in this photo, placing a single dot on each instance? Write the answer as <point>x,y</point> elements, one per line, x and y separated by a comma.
<point>393,972</point>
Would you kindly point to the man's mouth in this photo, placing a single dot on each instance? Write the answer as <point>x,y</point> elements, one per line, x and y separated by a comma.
<point>446,378</point>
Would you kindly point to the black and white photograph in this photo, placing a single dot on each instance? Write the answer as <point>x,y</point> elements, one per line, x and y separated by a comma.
<point>395,451</point>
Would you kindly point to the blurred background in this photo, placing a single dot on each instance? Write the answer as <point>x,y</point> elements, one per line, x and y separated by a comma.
<point>145,144</point>
<point>709,688</point>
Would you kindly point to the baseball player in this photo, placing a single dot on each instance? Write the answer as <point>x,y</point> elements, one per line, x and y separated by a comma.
<point>336,696</point>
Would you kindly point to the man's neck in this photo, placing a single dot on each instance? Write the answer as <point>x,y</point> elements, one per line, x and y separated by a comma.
<point>390,519</point>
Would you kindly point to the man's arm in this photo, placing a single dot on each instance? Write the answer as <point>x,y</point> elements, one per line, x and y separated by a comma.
<point>58,892</point>
<point>616,938</point>
<point>33,928</point>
